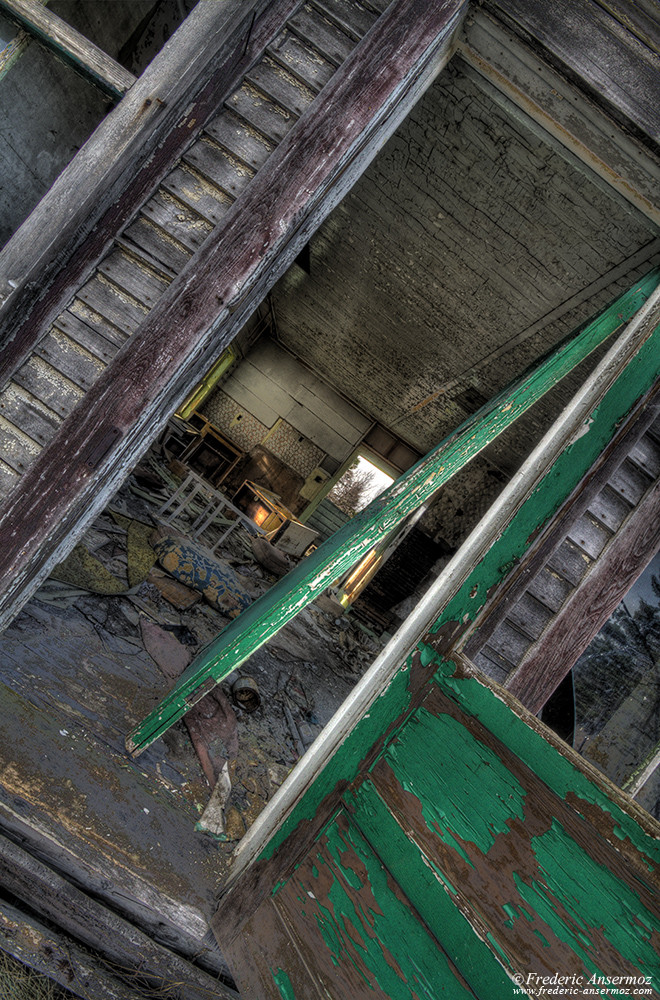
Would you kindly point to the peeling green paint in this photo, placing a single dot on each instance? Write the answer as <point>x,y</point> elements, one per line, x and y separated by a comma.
<point>592,898</point>
<point>283,984</point>
<point>368,936</point>
<point>464,789</point>
<point>430,889</point>
<point>558,772</point>
<point>263,619</point>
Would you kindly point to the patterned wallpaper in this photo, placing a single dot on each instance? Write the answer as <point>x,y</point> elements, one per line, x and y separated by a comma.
<point>241,427</point>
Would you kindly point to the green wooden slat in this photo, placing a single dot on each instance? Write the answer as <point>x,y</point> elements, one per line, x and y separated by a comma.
<point>263,619</point>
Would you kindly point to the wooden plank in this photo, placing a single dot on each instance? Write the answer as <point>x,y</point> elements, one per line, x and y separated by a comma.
<point>610,508</point>
<point>589,535</point>
<point>509,642</point>
<point>332,43</point>
<point>54,955</point>
<point>69,45</point>
<point>67,357</point>
<point>76,222</point>
<point>252,959</point>
<point>646,454</point>
<point>356,929</point>
<point>118,308</point>
<point>132,276</point>
<point>595,49</point>
<point>589,608</point>
<point>48,386</point>
<point>530,615</point>
<point>350,15</point>
<point>165,249</point>
<point>102,345</point>
<point>445,762</point>
<point>17,450</point>
<point>91,923</point>
<point>638,16</point>
<point>630,482</point>
<point>570,562</point>
<point>239,139</point>
<point>261,113</point>
<point>281,86</point>
<point>188,227</point>
<point>550,588</point>
<point>19,407</point>
<point>227,173</point>
<point>193,190</point>
<point>313,575</point>
<point>308,65</point>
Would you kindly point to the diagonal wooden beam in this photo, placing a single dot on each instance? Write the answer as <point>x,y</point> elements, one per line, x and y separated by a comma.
<point>206,305</point>
<point>263,619</point>
<point>69,45</point>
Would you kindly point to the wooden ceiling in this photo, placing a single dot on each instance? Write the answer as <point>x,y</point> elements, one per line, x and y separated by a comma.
<point>471,245</point>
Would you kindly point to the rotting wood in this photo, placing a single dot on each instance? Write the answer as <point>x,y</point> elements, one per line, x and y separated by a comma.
<point>52,954</point>
<point>587,610</point>
<point>527,78</point>
<point>210,300</point>
<point>68,44</point>
<point>318,571</point>
<point>56,249</point>
<point>592,494</point>
<point>579,36</point>
<point>384,698</point>
<point>96,927</point>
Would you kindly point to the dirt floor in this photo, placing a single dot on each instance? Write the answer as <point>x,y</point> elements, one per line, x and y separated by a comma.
<point>79,669</point>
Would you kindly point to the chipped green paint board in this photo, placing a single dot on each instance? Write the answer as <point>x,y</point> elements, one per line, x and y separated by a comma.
<point>263,619</point>
<point>431,893</point>
<point>591,897</point>
<point>567,780</point>
<point>363,934</point>
<point>450,784</point>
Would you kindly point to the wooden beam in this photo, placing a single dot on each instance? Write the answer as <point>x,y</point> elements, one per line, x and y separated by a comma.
<point>73,226</point>
<point>14,49</point>
<point>590,606</point>
<point>69,45</point>
<point>522,78</point>
<point>263,619</point>
<point>597,52</point>
<point>206,305</point>
<point>108,936</point>
<point>550,539</point>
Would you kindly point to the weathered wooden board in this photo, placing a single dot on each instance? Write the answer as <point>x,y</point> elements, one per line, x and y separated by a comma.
<point>582,37</point>
<point>251,951</point>
<point>59,902</point>
<point>68,44</point>
<point>589,608</point>
<point>354,926</point>
<point>133,148</point>
<point>237,138</point>
<point>308,65</point>
<point>322,34</point>
<point>513,867</point>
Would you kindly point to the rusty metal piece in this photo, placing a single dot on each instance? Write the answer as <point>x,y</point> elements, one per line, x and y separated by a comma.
<point>245,692</point>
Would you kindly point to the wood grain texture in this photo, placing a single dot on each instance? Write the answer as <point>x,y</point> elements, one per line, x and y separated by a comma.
<point>590,606</point>
<point>584,39</point>
<point>133,148</point>
<point>67,43</point>
<point>98,928</point>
